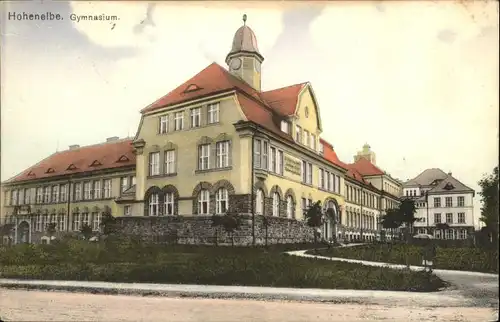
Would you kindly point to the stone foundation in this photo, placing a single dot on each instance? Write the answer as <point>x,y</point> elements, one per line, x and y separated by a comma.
<point>199,230</point>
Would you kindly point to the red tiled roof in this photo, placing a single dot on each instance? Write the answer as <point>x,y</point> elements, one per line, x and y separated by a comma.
<point>211,80</point>
<point>330,154</point>
<point>260,114</point>
<point>109,155</point>
<point>284,99</point>
<point>366,168</point>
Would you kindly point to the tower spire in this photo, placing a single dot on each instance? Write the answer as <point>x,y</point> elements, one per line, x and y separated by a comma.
<point>244,19</point>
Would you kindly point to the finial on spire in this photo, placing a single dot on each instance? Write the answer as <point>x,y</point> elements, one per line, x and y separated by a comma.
<point>244,19</point>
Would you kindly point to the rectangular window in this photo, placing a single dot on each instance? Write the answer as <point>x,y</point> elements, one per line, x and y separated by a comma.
<point>133,180</point>
<point>449,218</point>
<point>61,222</point>
<point>304,205</point>
<point>163,120</point>
<point>97,189</point>
<point>256,153</point>
<point>27,196</point>
<point>20,197</point>
<point>196,117</point>
<point>39,223</point>
<point>107,188</point>
<point>309,173</point>
<point>96,221</point>
<point>46,194</point>
<point>154,163</point>
<point>76,222</point>
<point>127,210</point>
<point>284,127</point>
<point>13,196</point>
<point>78,191</point>
<point>169,162</point>
<point>86,191</point>
<point>63,193</point>
<point>265,153</point>
<point>337,184</point>
<point>437,202</point>
<point>306,137</point>
<point>179,121</point>
<point>461,218</point>
<point>85,219</point>
<point>203,202</point>
<point>321,179</point>
<point>327,180</point>
<point>321,149</point>
<point>298,133</point>
<point>303,170</point>
<point>222,154</point>
<point>272,157</point>
<point>123,184</point>
<point>437,218</point>
<point>213,113</point>
<point>280,162</point>
<point>448,201</point>
<point>460,201</point>
<point>204,157</point>
<point>313,142</point>
<point>331,179</point>
<point>55,194</point>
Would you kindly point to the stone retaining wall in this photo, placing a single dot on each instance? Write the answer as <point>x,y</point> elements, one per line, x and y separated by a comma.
<point>199,230</point>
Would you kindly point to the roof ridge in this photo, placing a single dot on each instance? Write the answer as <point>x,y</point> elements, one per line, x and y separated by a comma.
<point>96,144</point>
<point>284,87</point>
<point>162,96</point>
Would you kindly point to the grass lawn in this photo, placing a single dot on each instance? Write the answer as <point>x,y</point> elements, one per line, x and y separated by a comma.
<point>136,262</point>
<point>466,259</point>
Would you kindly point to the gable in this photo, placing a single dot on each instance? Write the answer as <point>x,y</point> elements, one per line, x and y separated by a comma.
<point>307,109</point>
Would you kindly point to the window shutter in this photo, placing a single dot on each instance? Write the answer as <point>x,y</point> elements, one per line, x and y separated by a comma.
<point>229,153</point>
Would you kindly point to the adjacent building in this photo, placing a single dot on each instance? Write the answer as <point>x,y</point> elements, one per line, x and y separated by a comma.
<point>445,206</point>
<point>215,144</point>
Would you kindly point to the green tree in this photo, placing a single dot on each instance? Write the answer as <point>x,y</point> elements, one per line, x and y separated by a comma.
<point>86,231</point>
<point>407,212</point>
<point>231,223</point>
<point>6,230</point>
<point>314,218</point>
<point>108,225</point>
<point>489,203</point>
<point>391,220</point>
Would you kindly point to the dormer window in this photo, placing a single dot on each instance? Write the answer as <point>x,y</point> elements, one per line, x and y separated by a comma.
<point>285,127</point>
<point>192,88</point>
<point>449,186</point>
<point>298,133</point>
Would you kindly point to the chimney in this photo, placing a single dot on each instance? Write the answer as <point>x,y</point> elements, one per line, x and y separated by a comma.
<point>74,146</point>
<point>113,138</point>
<point>449,173</point>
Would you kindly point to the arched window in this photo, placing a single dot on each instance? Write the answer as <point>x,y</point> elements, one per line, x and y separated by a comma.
<point>153,204</point>
<point>276,204</point>
<point>289,207</point>
<point>221,201</point>
<point>203,202</point>
<point>259,202</point>
<point>169,204</point>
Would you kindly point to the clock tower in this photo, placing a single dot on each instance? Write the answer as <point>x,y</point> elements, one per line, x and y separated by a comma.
<point>244,59</point>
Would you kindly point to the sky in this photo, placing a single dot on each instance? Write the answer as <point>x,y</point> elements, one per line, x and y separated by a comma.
<point>416,80</point>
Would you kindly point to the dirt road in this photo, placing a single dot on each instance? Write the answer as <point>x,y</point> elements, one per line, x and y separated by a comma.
<point>21,305</point>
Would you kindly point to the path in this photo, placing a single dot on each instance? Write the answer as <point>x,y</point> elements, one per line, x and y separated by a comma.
<point>480,288</point>
<point>20,305</point>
